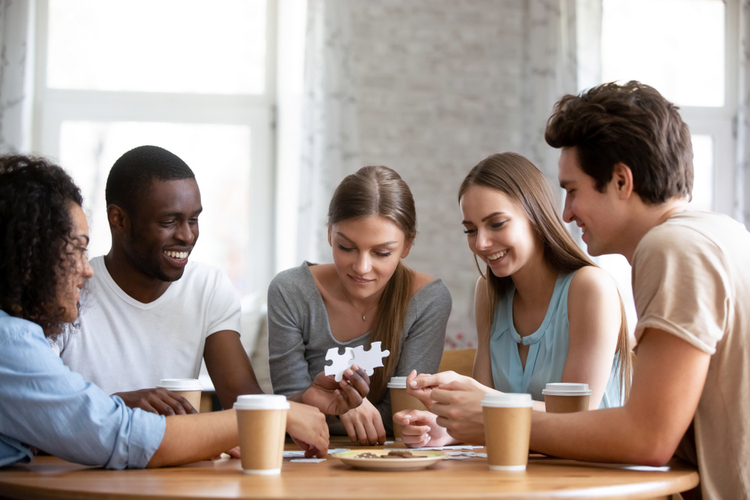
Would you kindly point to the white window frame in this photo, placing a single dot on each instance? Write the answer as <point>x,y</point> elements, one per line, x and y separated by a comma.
<point>54,106</point>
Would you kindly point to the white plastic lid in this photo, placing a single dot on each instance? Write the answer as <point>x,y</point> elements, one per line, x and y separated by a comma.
<point>180,384</point>
<point>507,400</point>
<point>566,389</point>
<point>261,402</point>
<point>397,383</point>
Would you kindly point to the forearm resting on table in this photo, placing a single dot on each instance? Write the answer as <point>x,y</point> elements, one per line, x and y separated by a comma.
<point>191,438</point>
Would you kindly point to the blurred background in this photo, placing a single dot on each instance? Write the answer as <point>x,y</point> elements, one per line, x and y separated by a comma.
<point>273,102</point>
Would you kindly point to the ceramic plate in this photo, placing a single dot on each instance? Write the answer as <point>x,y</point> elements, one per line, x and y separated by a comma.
<point>426,458</point>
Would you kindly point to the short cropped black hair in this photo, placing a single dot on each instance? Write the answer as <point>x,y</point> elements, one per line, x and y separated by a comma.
<point>131,176</point>
<point>35,230</point>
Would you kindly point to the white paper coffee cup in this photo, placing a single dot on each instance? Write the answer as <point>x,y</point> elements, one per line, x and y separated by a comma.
<point>507,430</point>
<point>400,400</point>
<point>566,397</point>
<point>261,423</point>
<point>188,388</point>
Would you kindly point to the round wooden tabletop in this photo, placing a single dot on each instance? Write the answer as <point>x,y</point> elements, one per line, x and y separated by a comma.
<point>53,478</point>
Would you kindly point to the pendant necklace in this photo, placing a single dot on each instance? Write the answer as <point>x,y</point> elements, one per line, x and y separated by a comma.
<point>364,317</point>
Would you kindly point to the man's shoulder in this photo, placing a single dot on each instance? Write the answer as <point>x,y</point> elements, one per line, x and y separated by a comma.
<point>686,231</point>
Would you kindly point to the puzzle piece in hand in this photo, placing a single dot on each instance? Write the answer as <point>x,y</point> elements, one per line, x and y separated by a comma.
<point>339,362</point>
<point>369,360</point>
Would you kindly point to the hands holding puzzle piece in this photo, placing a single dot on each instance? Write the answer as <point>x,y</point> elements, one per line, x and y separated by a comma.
<point>367,360</point>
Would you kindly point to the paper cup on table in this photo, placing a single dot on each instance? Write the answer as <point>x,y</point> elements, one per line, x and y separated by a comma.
<point>261,422</point>
<point>566,397</point>
<point>400,400</point>
<point>507,429</point>
<point>188,388</point>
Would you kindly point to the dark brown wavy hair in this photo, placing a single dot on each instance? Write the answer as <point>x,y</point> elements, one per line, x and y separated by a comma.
<point>518,178</point>
<point>35,234</point>
<point>381,191</point>
<point>631,124</point>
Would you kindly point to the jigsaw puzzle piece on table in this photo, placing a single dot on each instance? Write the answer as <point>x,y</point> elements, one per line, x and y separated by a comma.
<point>369,360</point>
<point>339,362</point>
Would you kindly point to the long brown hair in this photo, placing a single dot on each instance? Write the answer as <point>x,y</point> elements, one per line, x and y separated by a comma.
<point>518,178</point>
<point>381,191</point>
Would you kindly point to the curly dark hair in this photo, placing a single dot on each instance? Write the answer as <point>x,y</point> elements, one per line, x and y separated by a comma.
<point>35,234</point>
<point>632,124</point>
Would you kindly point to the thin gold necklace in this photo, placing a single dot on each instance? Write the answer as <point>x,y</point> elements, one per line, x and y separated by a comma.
<point>363,313</point>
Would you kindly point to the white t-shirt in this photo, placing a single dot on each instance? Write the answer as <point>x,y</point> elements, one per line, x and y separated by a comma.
<point>691,278</point>
<point>126,345</point>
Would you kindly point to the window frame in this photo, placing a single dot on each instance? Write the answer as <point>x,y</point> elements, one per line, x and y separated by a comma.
<point>258,111</point>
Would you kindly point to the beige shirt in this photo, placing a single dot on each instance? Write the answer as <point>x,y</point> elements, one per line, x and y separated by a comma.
<point>691,278</point>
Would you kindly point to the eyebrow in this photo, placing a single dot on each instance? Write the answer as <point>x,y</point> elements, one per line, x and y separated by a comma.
<point>493,214</point>
<point>176,213</point>
<point>378,245</point>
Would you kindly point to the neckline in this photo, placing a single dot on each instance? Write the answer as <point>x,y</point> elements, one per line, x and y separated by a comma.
<point>539,333</point>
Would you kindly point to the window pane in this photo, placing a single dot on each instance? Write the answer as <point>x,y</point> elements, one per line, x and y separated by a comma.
<point>676,46</point>
<point>703,173</point>
<point>89,149</point>
<point>158,45</point>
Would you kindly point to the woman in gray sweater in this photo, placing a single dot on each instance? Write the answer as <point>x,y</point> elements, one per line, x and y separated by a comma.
<point>366,295</point>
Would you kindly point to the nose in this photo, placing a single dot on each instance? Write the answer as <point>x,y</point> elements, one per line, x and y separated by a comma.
<point>88,271</point>
<point>482,241</point>
<point>567,210</point>
<point>187,232</point>
<point>363,264</point>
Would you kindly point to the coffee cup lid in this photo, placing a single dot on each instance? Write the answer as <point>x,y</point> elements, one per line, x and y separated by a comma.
<point>261,402</point>
<point>566,389</point>
<point>507,400</point>
<point>397,383</point>
<point>180,384</point>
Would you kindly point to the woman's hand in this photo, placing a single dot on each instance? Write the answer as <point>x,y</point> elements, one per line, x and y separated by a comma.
<point>419,428</point>
<point>458,409</point>
<point>364,425</point>
<point>421,386</point>
<point>337,398</point>
<point>308,428</point>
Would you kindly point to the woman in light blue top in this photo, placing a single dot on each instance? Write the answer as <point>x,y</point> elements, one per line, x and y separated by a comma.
<point>544,311</point>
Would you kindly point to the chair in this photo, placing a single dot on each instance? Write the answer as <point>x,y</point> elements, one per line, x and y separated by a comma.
<point>460,361</point>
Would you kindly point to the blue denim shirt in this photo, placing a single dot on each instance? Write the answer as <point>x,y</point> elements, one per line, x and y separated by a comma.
<point>44,405</point>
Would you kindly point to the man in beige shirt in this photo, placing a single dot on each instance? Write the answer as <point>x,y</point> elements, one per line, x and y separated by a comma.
<point>626,166</point>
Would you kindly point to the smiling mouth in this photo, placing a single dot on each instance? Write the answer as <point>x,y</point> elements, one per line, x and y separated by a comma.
<point>496,256</point>
<point>359,280</point>
<point>176,255</point>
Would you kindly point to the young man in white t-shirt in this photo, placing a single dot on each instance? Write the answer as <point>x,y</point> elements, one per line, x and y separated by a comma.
<point>149,313</point>
<point>626,166</point>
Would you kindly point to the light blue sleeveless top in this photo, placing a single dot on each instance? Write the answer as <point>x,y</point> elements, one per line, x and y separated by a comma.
<point>548,349</point>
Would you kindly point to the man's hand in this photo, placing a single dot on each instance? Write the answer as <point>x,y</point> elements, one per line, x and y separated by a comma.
<point>157,400</point>
<point>308,428</point>
<point>419,428</point>
<point>337,398</point>
<point>364,425</point>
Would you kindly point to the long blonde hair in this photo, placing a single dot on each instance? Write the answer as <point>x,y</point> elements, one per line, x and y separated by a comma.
<point>378,190</point>
<point>518,178</point>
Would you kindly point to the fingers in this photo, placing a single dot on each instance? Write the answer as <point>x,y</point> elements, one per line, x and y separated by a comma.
<point>357,378</point>
<point>234,452</point>
<point>349,428</point>
<point>349,395</point>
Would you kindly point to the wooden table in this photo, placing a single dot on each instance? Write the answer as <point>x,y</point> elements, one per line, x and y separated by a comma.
<point>50,477</point>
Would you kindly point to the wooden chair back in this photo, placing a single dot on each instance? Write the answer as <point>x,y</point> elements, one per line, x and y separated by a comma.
<point>459,360</point>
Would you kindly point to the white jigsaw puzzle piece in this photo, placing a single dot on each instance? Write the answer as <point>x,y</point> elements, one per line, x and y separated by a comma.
<point>369,360</point>
<point>340,362</point>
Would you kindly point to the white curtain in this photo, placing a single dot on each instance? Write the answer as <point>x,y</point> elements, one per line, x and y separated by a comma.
<point>550,71</point>
<point>330,145</point>
<point>742,170</point>
<point>16,74</point>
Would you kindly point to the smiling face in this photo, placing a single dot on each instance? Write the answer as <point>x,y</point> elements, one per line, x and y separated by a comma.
<point>164,229</point>
<point>498,231</point>
<point>366,252</point>
<point>76,265</point>
<point>593,211</point>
